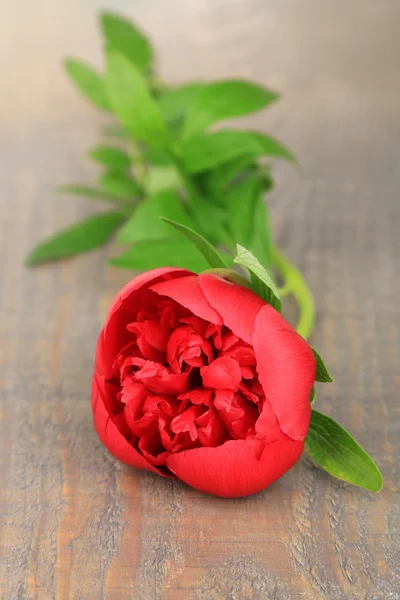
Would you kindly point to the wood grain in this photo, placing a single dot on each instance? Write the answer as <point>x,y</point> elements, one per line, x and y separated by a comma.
<point>77,525</point>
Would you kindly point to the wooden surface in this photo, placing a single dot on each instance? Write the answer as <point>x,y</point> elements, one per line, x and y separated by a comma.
<point>77,524</point>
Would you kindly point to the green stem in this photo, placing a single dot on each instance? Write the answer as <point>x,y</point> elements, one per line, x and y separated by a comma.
<point>296,285</point>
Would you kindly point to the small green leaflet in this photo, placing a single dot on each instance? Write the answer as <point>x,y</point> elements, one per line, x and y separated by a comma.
<point>150,254</point>
<point>145,223</point>
<point>128,39</point>
<point>88,81</point>
<point>88,192</point>
<point>322,374</point>
<point>262,282</point>
<point>339,454</point>
<point>207,151</point>
<point>211,255</point>
<point>110,156</point>
<point>120,185</point>
<point>173,102</point>
<point>239,201</point>
<point>80,237</point>
<point>224,100</point>
<point>131,101</point>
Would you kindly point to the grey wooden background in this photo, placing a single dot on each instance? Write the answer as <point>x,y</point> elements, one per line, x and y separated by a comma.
<point>77,524</point>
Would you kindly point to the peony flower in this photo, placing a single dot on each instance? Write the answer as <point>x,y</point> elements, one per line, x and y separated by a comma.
<point>199,379</point>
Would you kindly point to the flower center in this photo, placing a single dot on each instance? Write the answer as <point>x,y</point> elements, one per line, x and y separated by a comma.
<point>184,383</point>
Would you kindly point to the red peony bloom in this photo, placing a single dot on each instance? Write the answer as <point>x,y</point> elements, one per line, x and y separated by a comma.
<point>198,378</point>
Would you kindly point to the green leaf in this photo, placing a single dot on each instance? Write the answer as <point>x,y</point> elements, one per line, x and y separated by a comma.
<point>312,395</point>
<point>223,176</point>
<point>224,100</point>
<point>158,157</point>
<point>111,157</point>
<point>80,237</point>
<point>162,178</point>
<point>263,283</point>
<point>322,374</point>
<point>173,102</point>
<point>211,255</point>
<point>150,254</point>
<point>261,239</point>
<point>88,81</point>
<point>204,152</point>
<point>210,219</point>
<point>88,192</point>
<point>119,185</point>
<point>145,223</point>
<point>240,200</point>
<point>128,39</point>
<point>131,101</point>
<point>339,454</point>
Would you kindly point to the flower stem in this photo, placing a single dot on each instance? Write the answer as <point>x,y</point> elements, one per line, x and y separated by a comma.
<point>296,285</point>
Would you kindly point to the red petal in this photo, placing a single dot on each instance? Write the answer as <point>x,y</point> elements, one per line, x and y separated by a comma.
<point>237,305</point>
<point>211,431</point>
<point>236,468</point>
<point>142,280</point>
<point>286,369</point>
<point>114,335</point>
<point>197,396</point>
<point>113,440</point>
<point>185,421</point>
<point>158,379</point>
<point>187,292</point>
<point>223,374</point>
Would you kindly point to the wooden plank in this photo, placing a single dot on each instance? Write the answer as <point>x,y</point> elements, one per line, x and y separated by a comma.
<point>75,523</point>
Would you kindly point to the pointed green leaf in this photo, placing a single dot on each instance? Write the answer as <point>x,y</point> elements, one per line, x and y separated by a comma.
<point>211,255</point>
<point>150,254</point>
<point>261,239</point>
<point>128,39</point>
<point>88,192</point>
<point>210,220</point>
<point>111,157</point>
<point>131,101</point>
<point>80,237</point>
<point>88,81</point>
<point>322,372</point>
<point>337,452</point>
<point>173,102</point>
<point>312,395</point>
<point>119,185</point>
<point>145,223</point>
<point>224,100</point>
<point>225,175</point>
<point>262,281</point>
<point>207,151</point>
<point>240,200</point>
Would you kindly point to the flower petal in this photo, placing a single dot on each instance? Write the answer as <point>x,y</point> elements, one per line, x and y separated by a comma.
<point>142,280</point>
<point>237,305</point>
<point>222,374</point>
<point>237,468</point>
<point>187,292</point>
<point>286,369</point>
<point>113,440</point>
<point>114,335</point>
